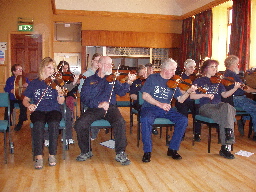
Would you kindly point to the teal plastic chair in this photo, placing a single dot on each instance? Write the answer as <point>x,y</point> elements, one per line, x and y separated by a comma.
<point>242,113</point>
<point>100,124</point>
<point>123,103</point>
<point>62,127</point>
<point>5,124</point>
<point>159,122</point>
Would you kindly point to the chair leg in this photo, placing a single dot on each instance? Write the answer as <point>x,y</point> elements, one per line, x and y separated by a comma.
<point>166,137</point>
<point>250,128</point>
<point>5,148</point>
<point>209,139</point>
<point>131,122</point>
<point>65,145</point>
<point>138,135</point>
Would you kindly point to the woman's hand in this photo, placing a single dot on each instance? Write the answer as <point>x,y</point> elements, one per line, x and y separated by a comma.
<point>131,78</point>
<point>32,107</point>
<point>211,96</point>
<point>60,91</point>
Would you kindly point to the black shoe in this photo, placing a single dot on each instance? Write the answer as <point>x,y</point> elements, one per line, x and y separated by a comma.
<point>197,137</point>
<point>18,127</point>
<point>226,154</point>
<point>146,157</point>
<point>154,131</point>
<point>174,154</point>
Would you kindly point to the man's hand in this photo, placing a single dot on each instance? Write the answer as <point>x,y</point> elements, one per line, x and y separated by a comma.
<point>165,106</point>
<point>104,105</point>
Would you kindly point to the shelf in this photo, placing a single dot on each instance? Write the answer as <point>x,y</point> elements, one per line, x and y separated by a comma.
<point>129,56</point>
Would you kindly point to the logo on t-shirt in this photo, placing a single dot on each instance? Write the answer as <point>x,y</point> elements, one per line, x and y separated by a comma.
<point>161,92</point>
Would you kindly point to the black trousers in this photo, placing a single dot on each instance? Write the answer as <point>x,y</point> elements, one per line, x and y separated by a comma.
<point>23,111</point>
<point>39,118</point>
<point>83,124</point>
<point>187,105</point>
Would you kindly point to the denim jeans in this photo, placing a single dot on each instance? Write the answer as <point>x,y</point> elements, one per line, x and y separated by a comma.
<point>148,116</point>
<point>247,105</point>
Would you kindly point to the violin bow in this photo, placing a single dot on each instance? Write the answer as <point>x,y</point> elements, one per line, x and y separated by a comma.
<point>113,86</point>
<point>43,94</point>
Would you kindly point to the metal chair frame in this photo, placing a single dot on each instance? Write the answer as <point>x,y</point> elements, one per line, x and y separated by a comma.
<point>5,124</point>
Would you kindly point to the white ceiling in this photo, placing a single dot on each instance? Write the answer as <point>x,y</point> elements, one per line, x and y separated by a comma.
<point>162,7</point>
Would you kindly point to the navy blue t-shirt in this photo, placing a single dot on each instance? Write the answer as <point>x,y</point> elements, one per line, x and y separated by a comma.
<point>157,87</point>
<point>36,89</point>
<point>239,91</point>
<point>212,88</point>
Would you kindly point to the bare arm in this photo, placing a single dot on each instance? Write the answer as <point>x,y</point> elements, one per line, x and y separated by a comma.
<point>26,103</point>
<point>231,91</point>
<point>147,97</point>
<point>186,94</point>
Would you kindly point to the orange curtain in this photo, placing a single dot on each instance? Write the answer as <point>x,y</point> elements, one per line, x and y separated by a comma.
<point>240,32</point>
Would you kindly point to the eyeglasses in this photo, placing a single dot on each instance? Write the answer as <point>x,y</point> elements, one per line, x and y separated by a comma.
<point>19,69</point>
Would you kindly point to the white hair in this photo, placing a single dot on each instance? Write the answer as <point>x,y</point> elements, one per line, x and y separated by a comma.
<point>167,63</point>
<point>189,62</point>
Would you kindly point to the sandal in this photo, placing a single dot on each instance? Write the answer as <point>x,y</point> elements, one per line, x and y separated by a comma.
<point>39,164</point>
<point>52,160</point>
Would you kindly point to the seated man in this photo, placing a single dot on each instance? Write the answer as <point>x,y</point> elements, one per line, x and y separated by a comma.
<point>99,95</point>
<point>239,98</point>
<point>158,96</point>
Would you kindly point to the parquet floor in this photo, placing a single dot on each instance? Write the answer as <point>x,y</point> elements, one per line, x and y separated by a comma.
<point>197,171</point>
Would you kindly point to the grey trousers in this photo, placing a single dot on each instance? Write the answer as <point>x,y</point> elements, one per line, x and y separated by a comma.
<point>223,114</point>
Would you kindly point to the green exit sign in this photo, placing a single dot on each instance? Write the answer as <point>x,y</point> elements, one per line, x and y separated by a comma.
<point>25,27</point>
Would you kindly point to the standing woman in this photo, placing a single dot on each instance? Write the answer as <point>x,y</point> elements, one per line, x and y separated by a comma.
<point>45,109</point>
<point>211,106</point>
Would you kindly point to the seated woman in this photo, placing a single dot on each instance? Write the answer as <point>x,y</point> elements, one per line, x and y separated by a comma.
<point>71,86</point>
<point>45,109</point>
<point>211,106</point>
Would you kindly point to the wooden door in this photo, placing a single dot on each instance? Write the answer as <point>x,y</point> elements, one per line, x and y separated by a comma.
<point>26,49</point>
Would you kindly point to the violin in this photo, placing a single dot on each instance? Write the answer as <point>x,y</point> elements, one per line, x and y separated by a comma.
<point>67,76</point>
<point>19,88</point>
<point>54,81</point>
<point>177,81</point>
<point>226,81</point>
<point>121,77</point>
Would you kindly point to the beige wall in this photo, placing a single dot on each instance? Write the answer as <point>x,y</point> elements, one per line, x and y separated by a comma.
<point>40,11</point>
<point>42,14</point>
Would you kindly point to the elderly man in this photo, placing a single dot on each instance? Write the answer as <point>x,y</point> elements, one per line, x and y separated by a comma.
<point>99,96</point>
<point>158,96</point>
<point>239,98</point>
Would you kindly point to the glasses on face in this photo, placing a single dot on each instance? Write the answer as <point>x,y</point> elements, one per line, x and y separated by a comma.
<point>19,69</point>
<point>213,66</point>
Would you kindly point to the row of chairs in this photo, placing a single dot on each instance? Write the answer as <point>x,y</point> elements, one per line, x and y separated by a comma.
<point>159,122</point>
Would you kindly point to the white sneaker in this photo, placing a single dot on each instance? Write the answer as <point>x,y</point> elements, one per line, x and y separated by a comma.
<point>46,143</point>
<point>71,141</point>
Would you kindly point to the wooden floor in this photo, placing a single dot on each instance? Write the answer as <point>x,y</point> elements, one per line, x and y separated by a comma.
<point>197,171</point>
